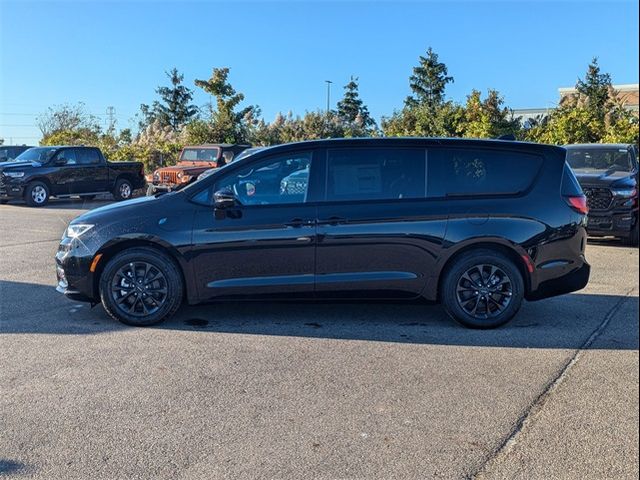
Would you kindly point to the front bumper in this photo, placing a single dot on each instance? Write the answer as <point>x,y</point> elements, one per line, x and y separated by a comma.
<point>153,188</point>
<point>73,262</point>
<point>10,191</point>
<point>618,224</point>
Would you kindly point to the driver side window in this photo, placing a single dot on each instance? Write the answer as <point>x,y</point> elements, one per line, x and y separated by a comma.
<point>276,181</point>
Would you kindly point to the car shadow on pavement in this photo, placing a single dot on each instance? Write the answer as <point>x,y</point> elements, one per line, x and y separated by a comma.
<point>561,322</point>
<point>9,467</point>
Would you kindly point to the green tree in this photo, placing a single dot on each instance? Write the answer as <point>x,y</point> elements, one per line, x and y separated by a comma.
<point>595,90</point>
<point>429,81</point>
<point>174,108</point>
<point>227,123</point>
<point>425,112</point>
<point>591,115</point>
<point>353,112</point>
<point>488,118</point>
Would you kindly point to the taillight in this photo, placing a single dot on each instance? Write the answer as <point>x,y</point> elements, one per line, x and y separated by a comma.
<point>578,203</point>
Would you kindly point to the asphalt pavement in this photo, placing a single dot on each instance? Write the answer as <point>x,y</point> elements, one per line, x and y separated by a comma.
<point>311,391</point>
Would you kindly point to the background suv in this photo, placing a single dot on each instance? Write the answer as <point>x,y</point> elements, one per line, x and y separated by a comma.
<point>608,174</point>
<point>476,225</point>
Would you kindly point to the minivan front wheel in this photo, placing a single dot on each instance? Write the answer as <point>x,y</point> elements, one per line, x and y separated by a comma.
<point>482,289</point>
<point>141,287</point>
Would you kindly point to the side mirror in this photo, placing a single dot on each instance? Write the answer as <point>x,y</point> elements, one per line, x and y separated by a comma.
<point>224,199</point>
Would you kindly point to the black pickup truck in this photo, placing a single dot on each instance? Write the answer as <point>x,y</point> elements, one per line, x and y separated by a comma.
<point>66,171</point>
<point>608,175</point>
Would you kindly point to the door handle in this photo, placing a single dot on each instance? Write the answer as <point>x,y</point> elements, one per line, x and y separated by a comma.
<point>333,221</point>
<point>298,222</point>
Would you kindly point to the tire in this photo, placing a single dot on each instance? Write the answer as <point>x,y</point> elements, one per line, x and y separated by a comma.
<point>123,189</point>
<point>129,302</point>
<point>150,191</point>
<point>37,194</point>
<point>4,202</point>
<point>463,289</point>
<point>87,197</point>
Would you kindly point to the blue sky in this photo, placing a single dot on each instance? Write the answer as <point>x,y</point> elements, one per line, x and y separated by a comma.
<point>115,53</point>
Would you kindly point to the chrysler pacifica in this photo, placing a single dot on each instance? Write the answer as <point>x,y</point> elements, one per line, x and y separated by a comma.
<point>476,225</point>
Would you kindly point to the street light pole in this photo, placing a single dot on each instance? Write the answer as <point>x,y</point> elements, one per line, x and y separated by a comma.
<point>329,82</point>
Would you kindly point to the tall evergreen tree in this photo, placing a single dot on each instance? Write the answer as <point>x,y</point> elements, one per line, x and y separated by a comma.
<point>429,81</point>
<point>174,108</point>
<point>353,111</point>
<point>595,88</point>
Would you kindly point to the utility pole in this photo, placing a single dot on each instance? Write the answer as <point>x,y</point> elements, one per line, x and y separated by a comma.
<point>111,111</point>
<point>329,82</point>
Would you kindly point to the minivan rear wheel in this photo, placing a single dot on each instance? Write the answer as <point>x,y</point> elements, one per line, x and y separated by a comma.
<point>141,287</point>
<point>482,289</point>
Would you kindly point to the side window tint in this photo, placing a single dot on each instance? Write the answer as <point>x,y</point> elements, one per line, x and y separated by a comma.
<point>88,156</point>
<point>68,154</point>
<point>375,174</point>
<point>480,172</point>
<point>280,180</point>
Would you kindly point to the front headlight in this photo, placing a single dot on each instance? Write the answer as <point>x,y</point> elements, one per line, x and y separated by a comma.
<point>74,231</point>
<point>156,176</point>
<point>626,192</point>
<point>14,174</point>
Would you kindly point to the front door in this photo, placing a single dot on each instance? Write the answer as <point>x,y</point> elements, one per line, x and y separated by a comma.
<point>63,177</point>
<point>265,245</point>
<point>379,234</point>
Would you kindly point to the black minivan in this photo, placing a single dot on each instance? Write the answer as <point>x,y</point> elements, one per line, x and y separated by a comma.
<point>478,225</point>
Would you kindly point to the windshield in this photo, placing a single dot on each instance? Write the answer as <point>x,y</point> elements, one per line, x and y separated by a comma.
<point>41,155</point>
<point>199,155</point>
<point>600,159</point>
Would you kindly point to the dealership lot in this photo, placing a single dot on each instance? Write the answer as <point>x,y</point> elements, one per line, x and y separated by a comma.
<point>312,390</point>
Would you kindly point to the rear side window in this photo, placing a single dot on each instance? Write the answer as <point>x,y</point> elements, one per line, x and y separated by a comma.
<point>462,172</point>
<point>88,156</point>
<point>375,174</point>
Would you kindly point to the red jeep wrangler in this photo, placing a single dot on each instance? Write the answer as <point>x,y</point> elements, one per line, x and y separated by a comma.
<point>192,162</point>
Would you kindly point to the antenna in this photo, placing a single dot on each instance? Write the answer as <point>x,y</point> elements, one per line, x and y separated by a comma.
<point>111,112</point>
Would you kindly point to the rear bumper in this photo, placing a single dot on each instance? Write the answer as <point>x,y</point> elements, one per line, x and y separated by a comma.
<point>572,281</point>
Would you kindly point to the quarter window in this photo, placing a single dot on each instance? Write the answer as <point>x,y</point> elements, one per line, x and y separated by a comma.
<point>375,174</point>
<point>480,172</point>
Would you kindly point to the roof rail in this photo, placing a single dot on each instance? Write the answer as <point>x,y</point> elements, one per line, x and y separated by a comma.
<point>507,136</point>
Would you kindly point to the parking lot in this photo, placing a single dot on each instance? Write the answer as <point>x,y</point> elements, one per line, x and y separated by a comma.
<point>290,390</point>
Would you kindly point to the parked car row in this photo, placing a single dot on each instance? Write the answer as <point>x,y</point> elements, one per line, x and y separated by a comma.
<point>608,174</point>
<point>475,225</point>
